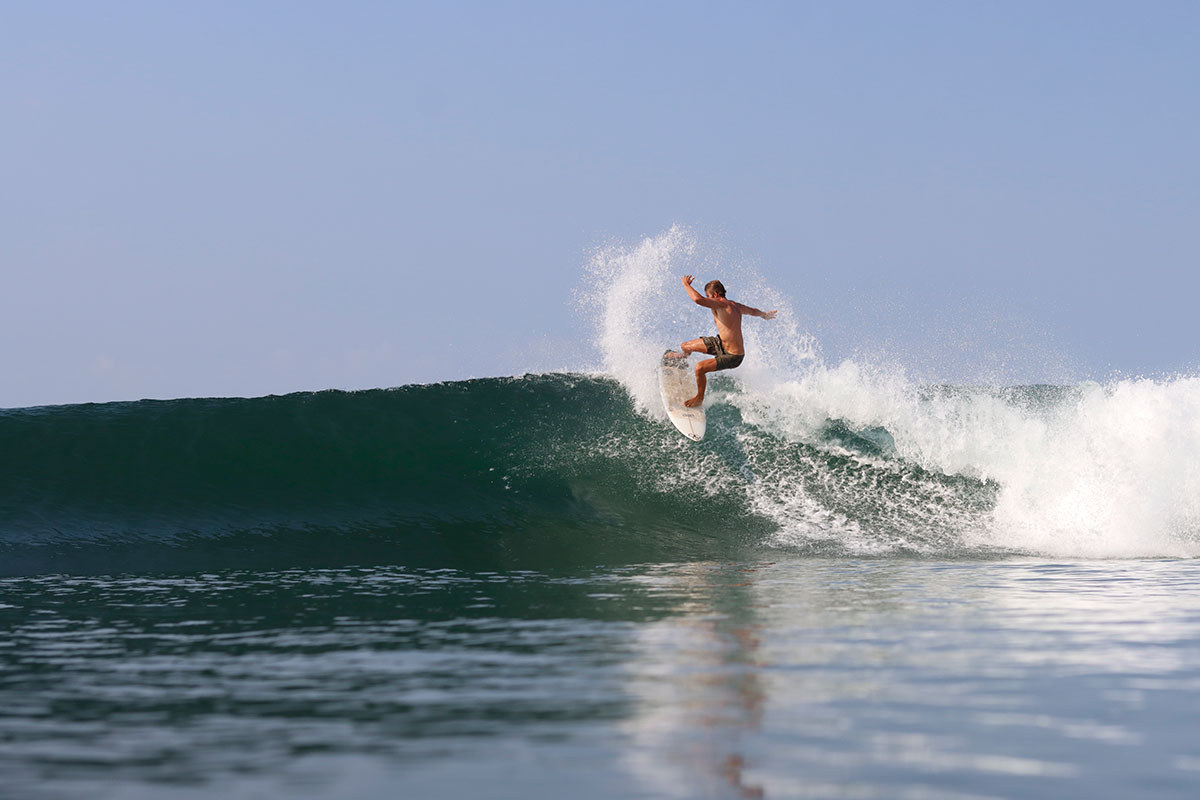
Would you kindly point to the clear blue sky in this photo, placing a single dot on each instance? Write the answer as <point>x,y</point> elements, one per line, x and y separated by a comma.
<point>241,198</point>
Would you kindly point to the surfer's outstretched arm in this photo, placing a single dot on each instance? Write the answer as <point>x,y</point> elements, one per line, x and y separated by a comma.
<point>754,312</point>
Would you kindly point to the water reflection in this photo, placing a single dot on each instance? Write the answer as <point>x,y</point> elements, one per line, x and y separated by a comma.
<point>808,678</point>
<point>792,678</point>
<point>698,684</point>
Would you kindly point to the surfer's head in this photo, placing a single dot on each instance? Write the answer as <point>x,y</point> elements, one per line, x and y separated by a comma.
<point>714,289</point>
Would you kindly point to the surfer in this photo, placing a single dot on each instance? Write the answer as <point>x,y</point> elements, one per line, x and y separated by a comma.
<point>727,345</point>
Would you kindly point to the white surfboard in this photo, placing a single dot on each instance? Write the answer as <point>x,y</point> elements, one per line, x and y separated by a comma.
<point>677,383</point>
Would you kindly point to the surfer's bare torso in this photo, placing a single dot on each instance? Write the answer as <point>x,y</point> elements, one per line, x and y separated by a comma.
<point>728,317</point>
<point>727,345</point>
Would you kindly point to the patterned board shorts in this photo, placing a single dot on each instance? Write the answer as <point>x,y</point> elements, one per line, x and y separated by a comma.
<point>715,347</point>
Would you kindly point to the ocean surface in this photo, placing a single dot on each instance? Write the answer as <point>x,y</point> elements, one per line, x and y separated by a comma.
<point>854,587</point>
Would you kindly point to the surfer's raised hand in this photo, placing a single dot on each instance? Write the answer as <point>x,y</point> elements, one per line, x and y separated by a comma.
<point>687,280</point>
<point>769,314</point>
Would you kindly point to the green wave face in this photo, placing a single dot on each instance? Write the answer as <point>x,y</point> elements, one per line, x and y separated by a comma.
<point>534,470</point>
<point>538,471</point>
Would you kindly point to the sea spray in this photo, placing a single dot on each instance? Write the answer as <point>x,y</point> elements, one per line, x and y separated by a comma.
<point>1114,471</point>
<point>626,295</point>
<point>1089,470</point>
<point>638,308</point>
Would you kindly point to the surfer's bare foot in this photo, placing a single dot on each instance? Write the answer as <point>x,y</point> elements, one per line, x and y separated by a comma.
<point>695,401</point>
<point>673,354</point>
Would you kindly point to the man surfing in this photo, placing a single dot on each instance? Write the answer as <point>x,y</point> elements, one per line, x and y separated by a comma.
<point>727,345</point>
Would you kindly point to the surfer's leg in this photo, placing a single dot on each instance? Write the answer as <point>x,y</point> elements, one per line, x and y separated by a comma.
<point>702,370</point>
<point>694,346</point>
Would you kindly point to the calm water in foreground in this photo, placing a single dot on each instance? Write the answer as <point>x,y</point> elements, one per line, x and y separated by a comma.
<point>800,677</point>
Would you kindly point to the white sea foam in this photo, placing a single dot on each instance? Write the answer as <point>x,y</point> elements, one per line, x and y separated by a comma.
<point>1085,471</point>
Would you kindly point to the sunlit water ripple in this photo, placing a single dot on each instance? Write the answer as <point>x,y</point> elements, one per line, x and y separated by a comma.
<point>793,678</point>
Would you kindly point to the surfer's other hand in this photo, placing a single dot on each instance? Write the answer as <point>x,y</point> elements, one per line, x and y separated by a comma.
<point>770,314</point>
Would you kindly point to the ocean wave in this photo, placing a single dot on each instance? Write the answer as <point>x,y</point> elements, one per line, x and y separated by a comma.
<point>563,468</point>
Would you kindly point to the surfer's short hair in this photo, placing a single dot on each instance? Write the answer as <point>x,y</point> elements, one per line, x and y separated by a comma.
<point>720,287</point>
